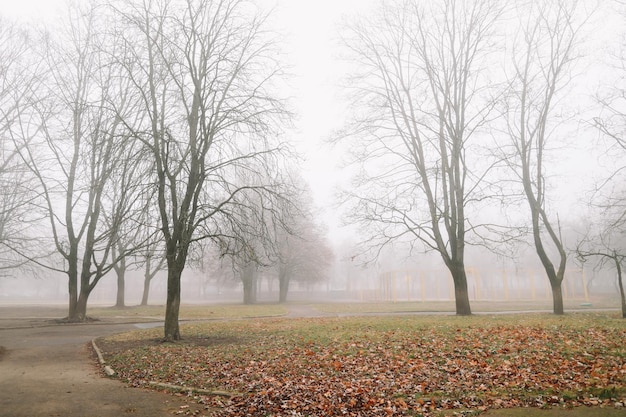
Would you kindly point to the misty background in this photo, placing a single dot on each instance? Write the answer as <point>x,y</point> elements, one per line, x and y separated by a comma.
<point>349,239</point>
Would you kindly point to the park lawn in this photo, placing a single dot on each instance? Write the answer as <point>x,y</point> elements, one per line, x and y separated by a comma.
<point>191,312</point>
<point>449,307</point>
<point>394,365</point>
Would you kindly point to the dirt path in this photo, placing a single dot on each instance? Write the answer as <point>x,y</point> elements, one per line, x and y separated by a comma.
<point>49,370</point>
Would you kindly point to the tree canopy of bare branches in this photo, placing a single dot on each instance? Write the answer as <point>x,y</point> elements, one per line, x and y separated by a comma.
<point>203,71</point>
<point>422,83</point>
<point>18,81</point>
<point>76,148</point>
<point>543,54</point>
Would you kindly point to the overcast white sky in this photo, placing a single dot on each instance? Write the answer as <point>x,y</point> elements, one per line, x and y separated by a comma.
<point>310,29</point>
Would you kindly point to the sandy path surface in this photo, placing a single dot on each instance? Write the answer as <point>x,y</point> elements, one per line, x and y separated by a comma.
<point>49,370</point>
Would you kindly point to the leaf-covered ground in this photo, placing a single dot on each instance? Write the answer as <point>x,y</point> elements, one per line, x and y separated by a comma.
<point>380,366</point>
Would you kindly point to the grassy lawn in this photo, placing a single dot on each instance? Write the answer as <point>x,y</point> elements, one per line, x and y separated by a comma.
<point>392,365</point>
<point>448,306</point>
<point>191,312</point>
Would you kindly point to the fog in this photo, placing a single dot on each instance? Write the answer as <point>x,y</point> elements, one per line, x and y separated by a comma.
<point>372,235</point>
<point>400,280</point>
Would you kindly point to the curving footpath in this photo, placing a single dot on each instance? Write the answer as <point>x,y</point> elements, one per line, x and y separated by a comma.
<point>50,370</point>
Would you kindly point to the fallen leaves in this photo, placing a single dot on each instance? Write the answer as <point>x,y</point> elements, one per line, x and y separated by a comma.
<point>387,366</point>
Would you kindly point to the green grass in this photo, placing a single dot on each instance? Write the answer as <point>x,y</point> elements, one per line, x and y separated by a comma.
<point>407,362</point>
<point>191,312</point>
<point>448,306</point>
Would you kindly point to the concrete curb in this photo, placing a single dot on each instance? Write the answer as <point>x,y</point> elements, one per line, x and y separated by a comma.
<point>107,369</point>
<point>178,388</point>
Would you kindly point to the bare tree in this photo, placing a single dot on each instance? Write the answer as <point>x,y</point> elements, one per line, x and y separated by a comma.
<point>542,57</point>
<point>80,144</point>
<point>151,257</point>
<point>612,97</point>
<point>302,251</point>
<point>422,80</point>
<point>124,211</point>
<point>203,70</point>
<point>609,200</point>
<point>609,250</point>
<point>19,77</point>
<point>251,241</point>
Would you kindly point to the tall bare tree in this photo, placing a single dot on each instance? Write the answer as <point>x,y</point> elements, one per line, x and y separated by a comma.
<point>80,144</point>
<point>543,54</point>
<point>19,77</point>
<point>203,70</point>
<point>608,243</point>
<point>423,84</point>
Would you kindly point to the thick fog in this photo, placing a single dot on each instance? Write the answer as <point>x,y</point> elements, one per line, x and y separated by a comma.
<point>346,151</point>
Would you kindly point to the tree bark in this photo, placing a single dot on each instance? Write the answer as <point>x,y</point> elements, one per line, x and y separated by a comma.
<point>249,279</point>
<point>461,293</point>
<point>72,274</point>
<point>557,296</point>
<point>146,289</point>
<point>172,306</point>
<point>81,305</point>
<point>555,277</point>
<point>283,284</point>
<point>618,266</point>
<point>121,286</point>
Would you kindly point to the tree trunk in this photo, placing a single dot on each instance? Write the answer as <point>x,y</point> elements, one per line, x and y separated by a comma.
<point>147,279</point>
<point>72,314</point>
<point>557,296</point>
<point>283,287</point>
<point>249,279</point>
<point>555,277</point>
<point>81,305</point>
<point>172,306</point>
<point>461,293</point>
<point>72,284</point>
<point>121,287</point>
<point>618,266</point>
<point>146,289</point>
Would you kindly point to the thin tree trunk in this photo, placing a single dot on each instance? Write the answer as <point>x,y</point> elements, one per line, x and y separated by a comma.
<point>554,277</point>
<point>618,266</point>
<point>146,289</point>
<point>148,275</point>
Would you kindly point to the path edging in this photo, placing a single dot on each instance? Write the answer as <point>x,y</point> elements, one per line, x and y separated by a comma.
<point>111,373</point>
<point>107,369</point>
